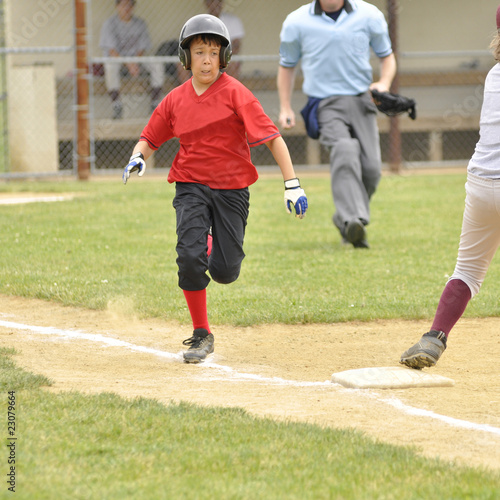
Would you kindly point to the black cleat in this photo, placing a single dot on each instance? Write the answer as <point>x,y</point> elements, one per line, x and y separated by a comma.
<point>117,110</point>
<point>201,344</point>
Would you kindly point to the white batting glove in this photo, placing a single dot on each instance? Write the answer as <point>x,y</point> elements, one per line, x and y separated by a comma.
<point>295,197</point>
<point>136,162</point>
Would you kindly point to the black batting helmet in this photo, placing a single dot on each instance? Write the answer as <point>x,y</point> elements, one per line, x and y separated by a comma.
<point>204,24</point>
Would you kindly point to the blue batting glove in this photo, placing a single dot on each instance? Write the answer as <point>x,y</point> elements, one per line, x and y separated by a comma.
<point>295,197</point>
<point>136,162</point>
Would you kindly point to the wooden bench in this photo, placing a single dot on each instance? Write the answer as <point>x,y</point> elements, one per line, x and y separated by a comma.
<point>433,123</point>
<point>268,82</point>
<point>115,130</point>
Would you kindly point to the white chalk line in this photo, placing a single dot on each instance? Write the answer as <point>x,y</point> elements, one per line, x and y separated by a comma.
<point>34,199</point>
<point>75,334</point>
<point>399,405</point>
<point>112,342</point>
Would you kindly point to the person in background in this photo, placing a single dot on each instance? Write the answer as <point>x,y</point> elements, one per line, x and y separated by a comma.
<point>480,236</point>
<point>123,35</point>
<point>332,39</point>
<point>235,28</point>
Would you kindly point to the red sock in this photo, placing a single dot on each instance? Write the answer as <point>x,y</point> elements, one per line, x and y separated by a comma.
<point>209,245</point>
<point>452,304</point>
<point>197,304</point>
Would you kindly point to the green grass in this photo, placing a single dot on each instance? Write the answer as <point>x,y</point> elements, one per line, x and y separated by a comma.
<point>85,447</point>
<point>118,242</point>
<point>4,161</point>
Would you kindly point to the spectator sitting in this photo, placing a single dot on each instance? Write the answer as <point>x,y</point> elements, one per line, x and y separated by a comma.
<point>235,28</point>
<point>123,35</point>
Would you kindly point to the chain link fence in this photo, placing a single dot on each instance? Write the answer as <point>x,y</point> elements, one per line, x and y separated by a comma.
<point>38,98</point>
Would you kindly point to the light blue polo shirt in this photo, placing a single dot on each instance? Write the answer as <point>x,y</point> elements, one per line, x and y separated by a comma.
<point>335,55</point>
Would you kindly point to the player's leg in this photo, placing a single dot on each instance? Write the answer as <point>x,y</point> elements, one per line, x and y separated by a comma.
<point>480,235</point>
<point>112,80</point>
<point>479,241</point>
<point>157,78</point>
<point>192,206</point>
<point>349,195</point>
<point>365,129</point>
<point>230,214</point>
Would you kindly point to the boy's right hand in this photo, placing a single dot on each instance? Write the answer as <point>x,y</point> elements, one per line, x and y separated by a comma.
<point>136,162</point>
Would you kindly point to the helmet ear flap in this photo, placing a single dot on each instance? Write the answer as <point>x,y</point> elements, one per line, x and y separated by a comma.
<point>224,58</point>
<point>225,55</point>
<point>184,57</point>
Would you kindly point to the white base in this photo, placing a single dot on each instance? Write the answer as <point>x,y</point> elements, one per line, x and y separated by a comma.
<point>390,377</point>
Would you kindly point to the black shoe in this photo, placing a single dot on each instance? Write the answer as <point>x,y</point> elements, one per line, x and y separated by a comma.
<point>201,344</point>
<point>361,244</point>
<point>117,110</point>
<point>426,352</point>
<point>154,105</point>
<point>355,232</point>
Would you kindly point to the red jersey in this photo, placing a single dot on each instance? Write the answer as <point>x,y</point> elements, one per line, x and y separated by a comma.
<point>215,131</point>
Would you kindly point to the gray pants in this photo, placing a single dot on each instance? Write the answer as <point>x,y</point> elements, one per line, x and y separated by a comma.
<point>348,127</point>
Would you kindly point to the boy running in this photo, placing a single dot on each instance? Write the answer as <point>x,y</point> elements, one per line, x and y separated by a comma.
<point>217,120</point>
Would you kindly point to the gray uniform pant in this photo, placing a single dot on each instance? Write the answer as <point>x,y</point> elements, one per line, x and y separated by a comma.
<point>348,127</point>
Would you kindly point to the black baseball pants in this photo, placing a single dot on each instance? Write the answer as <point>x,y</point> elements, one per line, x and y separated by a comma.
<point>198,208</point>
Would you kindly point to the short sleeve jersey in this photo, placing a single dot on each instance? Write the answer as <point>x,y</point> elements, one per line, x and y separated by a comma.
<point>128,39</point>
<point>485,161</point>
<point>215,130</point>
<point>335,55</point>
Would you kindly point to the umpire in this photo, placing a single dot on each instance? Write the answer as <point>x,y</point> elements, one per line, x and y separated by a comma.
<point>332,38</point>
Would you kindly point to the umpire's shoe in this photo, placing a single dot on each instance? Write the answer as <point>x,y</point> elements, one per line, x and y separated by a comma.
<point>355,233</point>
<point>426,352</point>
<point>201,344</point>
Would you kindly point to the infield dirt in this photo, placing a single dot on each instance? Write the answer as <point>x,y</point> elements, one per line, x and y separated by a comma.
<point>299,353</point>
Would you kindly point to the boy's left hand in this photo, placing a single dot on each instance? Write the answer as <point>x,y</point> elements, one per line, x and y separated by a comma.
<point>295,197</point>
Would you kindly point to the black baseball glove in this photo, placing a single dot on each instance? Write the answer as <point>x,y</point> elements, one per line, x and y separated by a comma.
<point>394,104</point>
